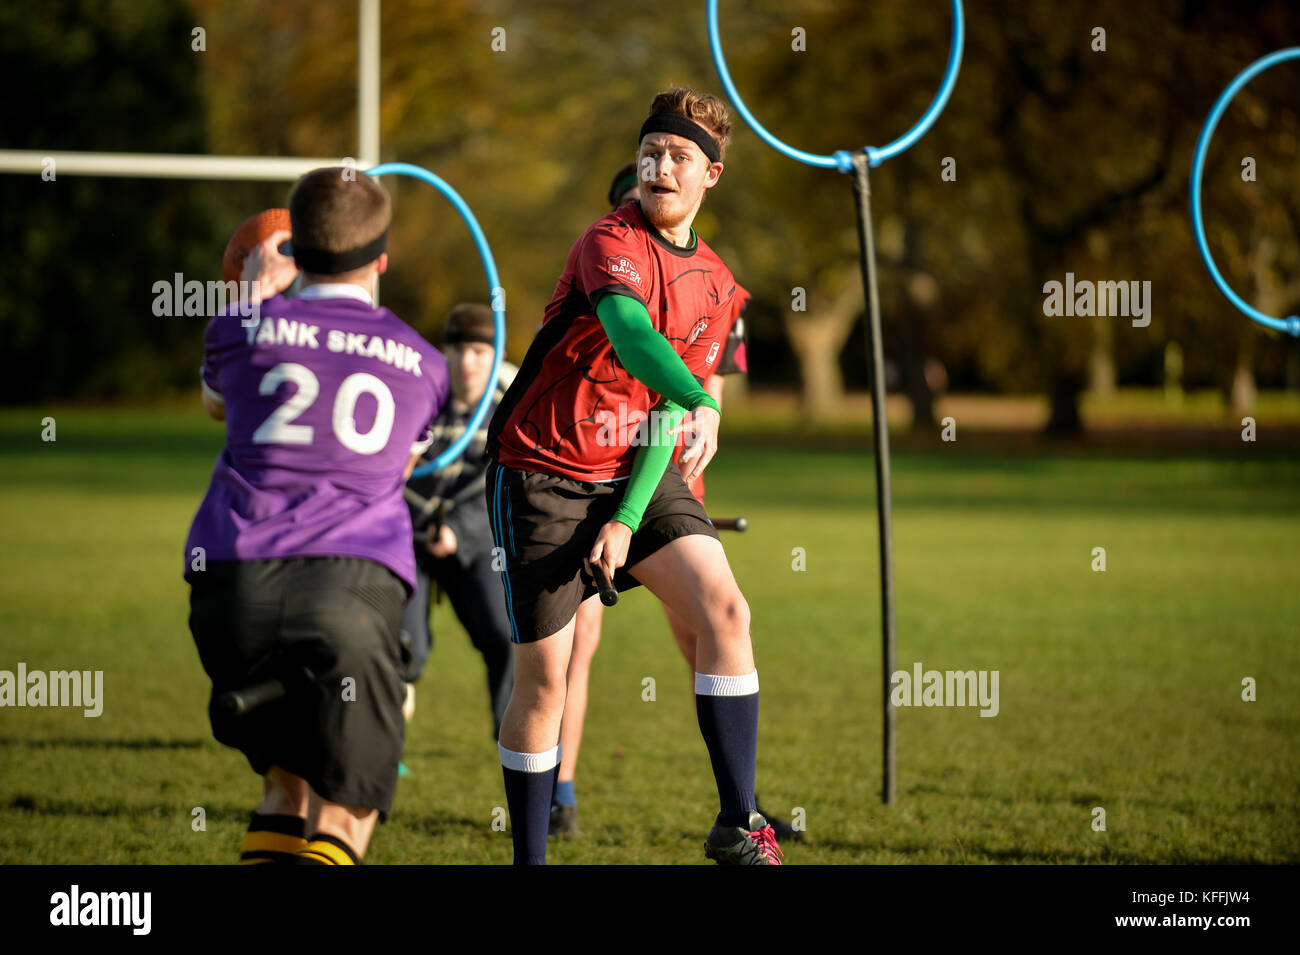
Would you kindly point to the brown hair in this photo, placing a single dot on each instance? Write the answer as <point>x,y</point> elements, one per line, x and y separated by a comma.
<point>337,209</point>
<point>702,108</point>
<point>470,322</point>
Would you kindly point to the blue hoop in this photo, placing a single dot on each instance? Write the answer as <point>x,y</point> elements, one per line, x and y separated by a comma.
<point>843,160</point>
<point>1292,323</point>
<point>498,313</point>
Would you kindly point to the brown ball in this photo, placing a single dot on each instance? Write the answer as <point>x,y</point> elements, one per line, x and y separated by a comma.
<point>246,238</point>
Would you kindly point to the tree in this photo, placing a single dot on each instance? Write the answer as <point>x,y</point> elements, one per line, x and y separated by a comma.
<point>84,253</point>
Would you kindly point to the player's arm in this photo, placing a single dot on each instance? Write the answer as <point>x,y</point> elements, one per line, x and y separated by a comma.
<point>269,271</point>
<point>651,360</point>
<point>216,409</point>
<point>468,522</point>
<point>714,387</point>
<point>214,403</point>
<point>650,463</point>
<point>646,354</point>
<point>648,467</point>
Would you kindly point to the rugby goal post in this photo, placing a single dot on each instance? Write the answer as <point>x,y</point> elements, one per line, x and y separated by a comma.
<point>262,168</point>
<point>291,168</point>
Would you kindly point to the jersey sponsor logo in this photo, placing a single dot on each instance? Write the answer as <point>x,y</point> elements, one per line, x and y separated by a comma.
<point>713,353</point>
<point>700,325</point>
<point>621,267</point>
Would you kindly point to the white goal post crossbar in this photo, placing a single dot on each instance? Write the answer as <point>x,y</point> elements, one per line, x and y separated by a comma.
<point>165,165</point>
<point>263,168</point>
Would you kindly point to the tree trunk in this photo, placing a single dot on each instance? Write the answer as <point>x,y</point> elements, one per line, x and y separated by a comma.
<point>1241,393</point>
<point>922,296</point>
<point>1242,396</point>
<point>922,293</point>
<point>1102,377</point>
<point>1063,392</point>
<point>918,391</point>
<point>819,369</point>
<point>817,341</point>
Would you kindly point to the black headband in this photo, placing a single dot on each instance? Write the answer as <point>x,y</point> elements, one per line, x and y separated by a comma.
<point>320,262</point>
<point>681,126</point>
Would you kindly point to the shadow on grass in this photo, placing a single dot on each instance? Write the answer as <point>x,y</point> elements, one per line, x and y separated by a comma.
<point>42,806</point>
<point>90,743</point>
<point>1028,856</point>
<point>129,432</point>
<point>1088,799</point>
<point>433,825</point>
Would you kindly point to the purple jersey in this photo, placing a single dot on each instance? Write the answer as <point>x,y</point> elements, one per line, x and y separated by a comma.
<point>326,399</point>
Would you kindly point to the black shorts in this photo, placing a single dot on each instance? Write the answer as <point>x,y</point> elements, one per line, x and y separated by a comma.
<point>545,525</point>
<point>341,729</point>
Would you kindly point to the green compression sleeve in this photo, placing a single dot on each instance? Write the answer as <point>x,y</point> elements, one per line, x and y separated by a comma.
<point>646,354</point>
<point>650,463</point>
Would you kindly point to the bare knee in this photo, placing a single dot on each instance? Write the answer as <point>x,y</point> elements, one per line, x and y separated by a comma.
<point>725,648</point>
<point>730,618</point>
<point>542,689</point>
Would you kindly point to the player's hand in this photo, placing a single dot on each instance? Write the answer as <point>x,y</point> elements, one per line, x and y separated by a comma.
<point>701,429</point>
<point>610,549</point>
<point>441,541</point>
<point>272,271</point>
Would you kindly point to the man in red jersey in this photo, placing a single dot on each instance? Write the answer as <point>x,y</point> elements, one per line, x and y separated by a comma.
<point>719,351</point>
<point>581,445</point>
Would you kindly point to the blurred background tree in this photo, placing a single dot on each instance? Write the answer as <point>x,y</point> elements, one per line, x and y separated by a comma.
<point>80,255</point>
<point>1067,158</point>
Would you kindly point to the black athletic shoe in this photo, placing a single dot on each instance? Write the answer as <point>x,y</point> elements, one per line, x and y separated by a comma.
<point>751,844</point>
<point>783,830</point>
<point>564,822</point>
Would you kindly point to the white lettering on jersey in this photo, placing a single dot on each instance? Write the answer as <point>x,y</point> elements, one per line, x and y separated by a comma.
<point>621,267</point>
<point>390,352</point>
<point>284,331</point>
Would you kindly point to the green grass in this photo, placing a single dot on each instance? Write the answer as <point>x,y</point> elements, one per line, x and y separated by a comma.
<point>1119,689</point>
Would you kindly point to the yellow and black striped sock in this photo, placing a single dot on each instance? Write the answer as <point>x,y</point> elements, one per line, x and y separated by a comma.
<point>324,849</point>
<point>272,838</point>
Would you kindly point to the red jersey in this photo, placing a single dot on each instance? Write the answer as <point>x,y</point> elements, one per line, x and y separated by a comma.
<point>572,394</point>
<point>720,350</point>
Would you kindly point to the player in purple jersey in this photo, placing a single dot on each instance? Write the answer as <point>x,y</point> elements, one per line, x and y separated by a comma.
<point>300,558</point>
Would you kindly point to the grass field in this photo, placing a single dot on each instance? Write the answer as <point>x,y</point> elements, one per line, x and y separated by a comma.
<point>1120,690</point>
